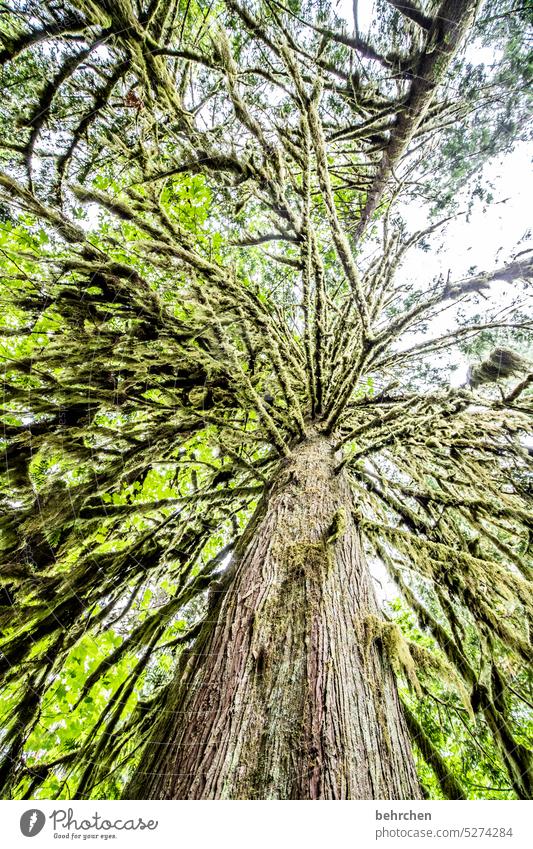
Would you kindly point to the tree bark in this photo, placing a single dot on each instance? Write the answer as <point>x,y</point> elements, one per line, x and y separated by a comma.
<point>278,699</point>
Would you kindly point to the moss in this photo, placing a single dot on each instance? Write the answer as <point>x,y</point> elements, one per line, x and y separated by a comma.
<point>435,665</point>
<point>412,660</point>
<point>338,526</point>
<point>500,364</point>
<point>306,559</point>
<point>395,646</point>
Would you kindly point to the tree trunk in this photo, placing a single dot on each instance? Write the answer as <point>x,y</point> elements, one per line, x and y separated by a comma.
<point>278,698</point>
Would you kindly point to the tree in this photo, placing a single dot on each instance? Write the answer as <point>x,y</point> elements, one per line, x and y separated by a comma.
<point>221,407</point>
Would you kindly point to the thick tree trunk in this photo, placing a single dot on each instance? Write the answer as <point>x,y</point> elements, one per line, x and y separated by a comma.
<point>278,699</point>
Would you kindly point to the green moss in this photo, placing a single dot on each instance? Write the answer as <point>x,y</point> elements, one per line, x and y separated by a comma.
<point>338,526</point>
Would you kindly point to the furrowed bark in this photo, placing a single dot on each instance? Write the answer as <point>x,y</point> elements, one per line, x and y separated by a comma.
<point>279,699</point>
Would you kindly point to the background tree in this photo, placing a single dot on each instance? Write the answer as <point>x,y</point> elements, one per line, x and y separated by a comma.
<point>221,406</point>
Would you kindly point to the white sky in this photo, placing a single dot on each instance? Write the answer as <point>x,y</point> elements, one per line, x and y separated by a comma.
<point>488,239</point>
<point>365,10</point>
<point>492,234</point>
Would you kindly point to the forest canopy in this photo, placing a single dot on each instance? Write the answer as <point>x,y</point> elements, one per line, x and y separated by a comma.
<point>205,254</point>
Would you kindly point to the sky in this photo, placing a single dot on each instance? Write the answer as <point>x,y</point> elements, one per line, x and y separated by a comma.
<point>492,235</point>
